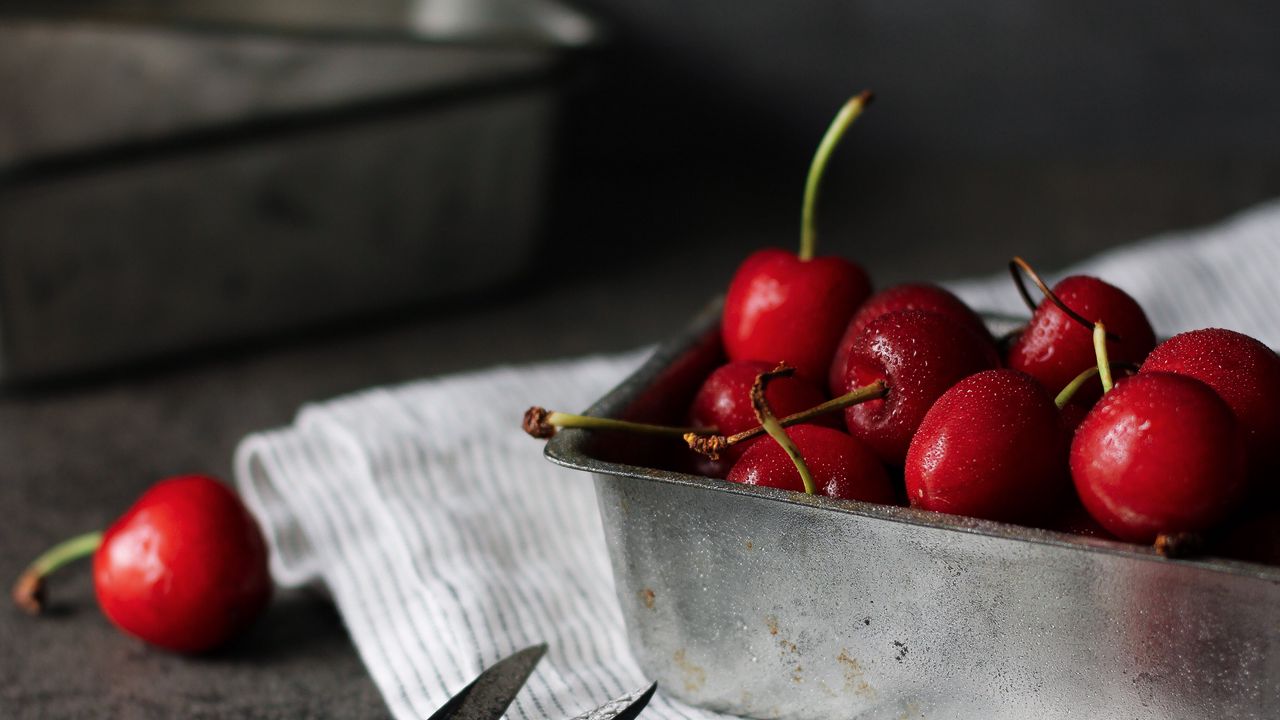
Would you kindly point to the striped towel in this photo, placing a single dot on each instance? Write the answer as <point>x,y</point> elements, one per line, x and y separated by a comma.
<point>447,541</point>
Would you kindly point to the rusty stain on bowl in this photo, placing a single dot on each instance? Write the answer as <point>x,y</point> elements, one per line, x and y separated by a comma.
<point>749,545</point>
<point>647,597</point>
<point>854,677</point>
<point>694,676</point>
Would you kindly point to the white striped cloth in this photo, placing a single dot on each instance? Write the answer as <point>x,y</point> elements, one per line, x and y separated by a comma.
<point>448,542</point>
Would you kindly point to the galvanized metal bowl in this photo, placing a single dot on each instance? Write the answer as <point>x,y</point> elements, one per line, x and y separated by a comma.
<point>773,604</point>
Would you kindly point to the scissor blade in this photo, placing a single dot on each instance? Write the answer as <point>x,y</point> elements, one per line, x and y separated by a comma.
<point>626,707</point>
<point>489,695</point>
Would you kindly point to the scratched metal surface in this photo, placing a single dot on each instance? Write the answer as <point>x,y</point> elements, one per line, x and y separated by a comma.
<point>775,605</point>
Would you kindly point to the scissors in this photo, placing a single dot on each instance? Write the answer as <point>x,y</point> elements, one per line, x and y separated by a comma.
<point>491,693</point>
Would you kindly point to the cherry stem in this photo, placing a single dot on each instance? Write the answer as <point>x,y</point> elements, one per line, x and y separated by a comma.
<point>1078,381</point>
<point>770,423</point>
<point>850,112</point>
<point>712,445</point>
<point>1018,266</point>
<point>542,423</point>
<point>29,592</point>
<point>1100,349</point>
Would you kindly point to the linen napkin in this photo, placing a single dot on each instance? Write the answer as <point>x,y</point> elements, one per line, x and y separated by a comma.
<point>448,542</point>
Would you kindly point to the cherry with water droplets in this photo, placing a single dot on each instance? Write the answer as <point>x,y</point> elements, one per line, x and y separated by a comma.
<point>919,355</point>
<point>1245,373</point>
<point>993,446</point>
<point>1056,347</point>
<point>841,466</point>
<point>1158,454</point>
<point>902,297</point>
<point>724,401</point>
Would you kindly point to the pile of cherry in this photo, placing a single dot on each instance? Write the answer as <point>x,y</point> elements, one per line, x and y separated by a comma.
<point>904,396</point>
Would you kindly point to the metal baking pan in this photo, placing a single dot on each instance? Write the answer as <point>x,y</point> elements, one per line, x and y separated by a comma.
<point>772,604</point>
<point>175,176</point>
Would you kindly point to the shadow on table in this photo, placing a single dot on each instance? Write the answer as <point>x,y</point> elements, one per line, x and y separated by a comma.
<point>296,623</point>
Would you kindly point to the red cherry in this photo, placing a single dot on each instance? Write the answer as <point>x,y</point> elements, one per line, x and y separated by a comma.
<point>1055,348</point>
<point>919,355</point>
<point>1160,453</point>
<point>841,466</point>
<point>993,446</point>
<point>185,568</point>
<point>1244,372</point>
<point>783,309</point>
<point>901,297</point>
<point>792,308</point>
<point>724,401</point>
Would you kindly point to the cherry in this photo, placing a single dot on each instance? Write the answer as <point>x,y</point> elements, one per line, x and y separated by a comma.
<point>992,446</point>
<point>1244,372</point>
<point>841,466</point>
<point>724,401</point>
<point>918,355</point>
<point>185,568</point>
<point>1055,346</point>
<point>901,297</point>
<point>790,308</point>
<point>1159,453</point>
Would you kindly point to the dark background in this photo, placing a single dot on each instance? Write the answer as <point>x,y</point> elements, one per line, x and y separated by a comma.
<point>1049,129</point>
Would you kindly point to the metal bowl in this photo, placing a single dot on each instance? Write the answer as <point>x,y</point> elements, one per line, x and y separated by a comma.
<point>773,604</point>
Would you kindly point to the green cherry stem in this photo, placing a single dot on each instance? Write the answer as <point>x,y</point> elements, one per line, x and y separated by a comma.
<point>1100,349</point>
<point>1069,391</point>
<point>542,423</point>
<point>713,445</point>
<point>1078,381</point>
<point>775,430</point>
<point>850,112</point>
<point>29,590</point>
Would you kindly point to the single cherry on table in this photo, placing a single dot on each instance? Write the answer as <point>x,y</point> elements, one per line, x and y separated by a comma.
<point>784,307</point>
<point>185,568</point>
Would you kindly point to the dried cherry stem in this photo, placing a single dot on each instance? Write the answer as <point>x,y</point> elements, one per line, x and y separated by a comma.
<point>770,423</point>
<point>1179,545</point>
<point>850,112</point>
<point>713,445</point>
<point>1018,266</point>
<point>30,591</point>
<point>542,423</point>
<point>1100,349</point>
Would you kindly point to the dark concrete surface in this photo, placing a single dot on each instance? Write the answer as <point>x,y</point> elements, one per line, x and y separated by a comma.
<point>73,456</point>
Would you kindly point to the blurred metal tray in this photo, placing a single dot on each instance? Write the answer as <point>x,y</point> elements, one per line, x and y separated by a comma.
<point>772,604</point>
<point>180,175</point>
